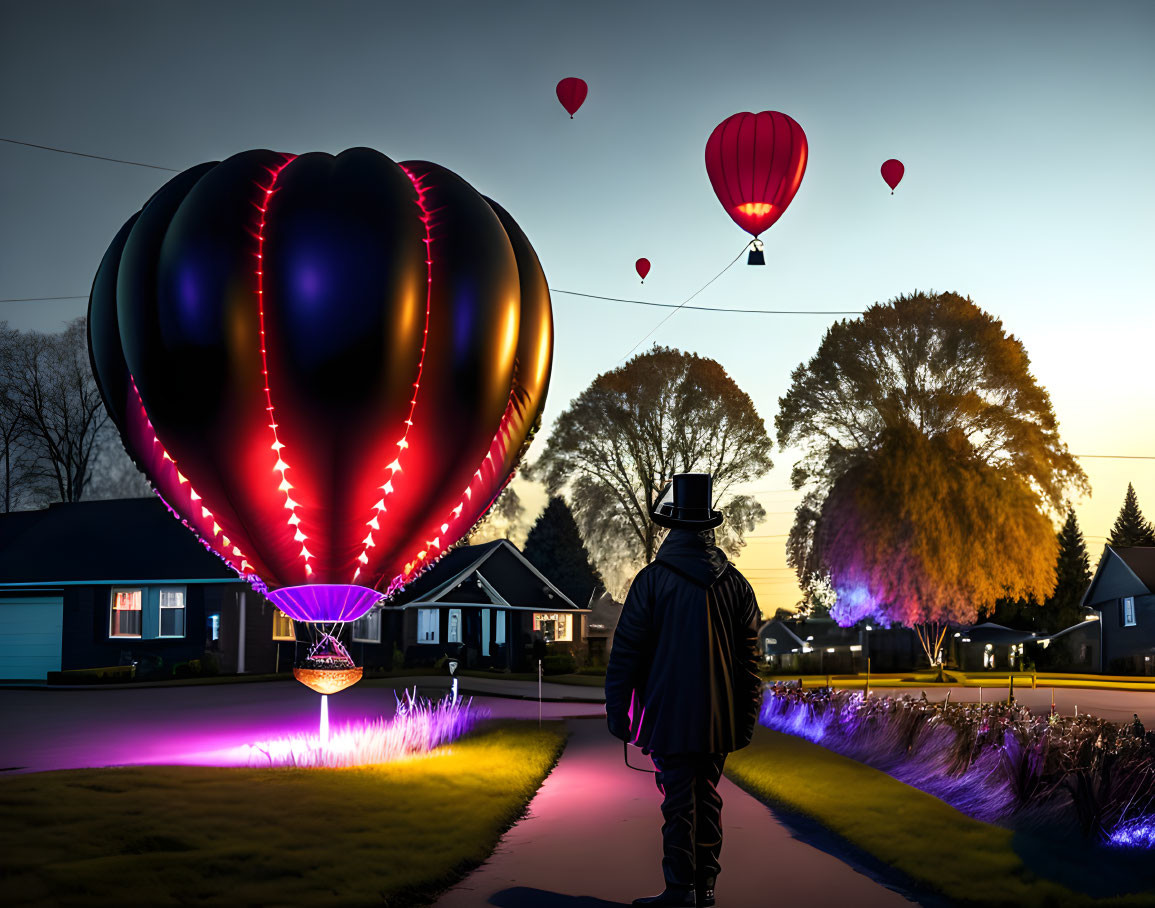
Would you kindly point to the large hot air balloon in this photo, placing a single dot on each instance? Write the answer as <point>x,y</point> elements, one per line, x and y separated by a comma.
<point>572,94</point>
<point>755,163</point>
<point>328,367</point>
<point>892,172</point>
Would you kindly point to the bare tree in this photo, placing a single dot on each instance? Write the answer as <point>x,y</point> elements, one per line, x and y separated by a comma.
<point>16,477</point>
<point>60,411</point>
<point>622,439</point>
<point>501,521</point>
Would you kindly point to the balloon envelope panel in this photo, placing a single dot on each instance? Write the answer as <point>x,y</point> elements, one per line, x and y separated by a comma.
<point>328,366</point>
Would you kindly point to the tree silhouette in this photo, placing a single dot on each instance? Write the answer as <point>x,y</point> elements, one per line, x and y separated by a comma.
<point>931,465</point>
<point>1072,576</point>
<point>555,547</point>
<point>619,442</point>
<point>1130,527</point>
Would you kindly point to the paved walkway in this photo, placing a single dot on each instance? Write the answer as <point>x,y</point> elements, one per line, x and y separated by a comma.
<point>593,839</point>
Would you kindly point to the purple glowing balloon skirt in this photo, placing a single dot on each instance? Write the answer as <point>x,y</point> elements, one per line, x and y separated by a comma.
<point>324,602</point>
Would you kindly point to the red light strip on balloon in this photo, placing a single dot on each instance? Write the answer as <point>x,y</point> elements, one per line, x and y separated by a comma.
<point>281,466</point>
<point>195,500</point>
<point>497,449</point>
<point>395,467</point>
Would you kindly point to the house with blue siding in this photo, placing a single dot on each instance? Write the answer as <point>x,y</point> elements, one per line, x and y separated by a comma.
<point>1122,595</point>
<point>100,584</point>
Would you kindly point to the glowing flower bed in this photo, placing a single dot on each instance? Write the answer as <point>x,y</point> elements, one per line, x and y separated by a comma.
<point>995,762</point>
<point>419,726</point>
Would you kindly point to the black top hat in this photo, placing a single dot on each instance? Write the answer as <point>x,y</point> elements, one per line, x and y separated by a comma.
<point>687,504</point>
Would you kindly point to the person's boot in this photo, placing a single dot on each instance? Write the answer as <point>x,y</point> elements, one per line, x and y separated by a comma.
<point>705,893</point>
<point>673,897</point>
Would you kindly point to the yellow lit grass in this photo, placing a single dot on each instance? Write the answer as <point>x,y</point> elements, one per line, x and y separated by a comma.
<point>382,835</point>
<point>926,840</point>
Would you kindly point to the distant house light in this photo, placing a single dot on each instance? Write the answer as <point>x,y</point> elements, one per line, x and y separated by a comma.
<point>958,633</point>
<point>830,649</point>
<point>1090,617</point>
<point>856,648</point>
<point>811,637</point>
<point>966,639</point>
<point>771,639</point>
<point>869,627</point>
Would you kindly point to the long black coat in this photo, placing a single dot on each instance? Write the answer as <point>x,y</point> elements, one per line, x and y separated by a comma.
<point>683,676</point>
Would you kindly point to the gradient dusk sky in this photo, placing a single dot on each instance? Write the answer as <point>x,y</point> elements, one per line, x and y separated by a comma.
<point>1027,130</point>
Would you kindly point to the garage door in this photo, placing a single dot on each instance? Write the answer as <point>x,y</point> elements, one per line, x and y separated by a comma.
<point>30,631</point>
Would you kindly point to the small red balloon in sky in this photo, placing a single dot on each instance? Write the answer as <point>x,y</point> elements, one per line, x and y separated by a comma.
<point>572,94</point>
<point>892,172</point>
<point>643,266</point>
<point>756,163</point>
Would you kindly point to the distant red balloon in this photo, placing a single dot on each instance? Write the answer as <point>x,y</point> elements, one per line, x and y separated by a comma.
<point>572,94</point>
<point>643,266</point>
<point>756,163</point>
<point>892,172</point>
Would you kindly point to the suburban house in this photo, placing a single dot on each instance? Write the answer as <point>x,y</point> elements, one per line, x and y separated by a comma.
<point>100,584</point>
<point>1122,595</point>
<point>484,604</point>
<point>819,646</point>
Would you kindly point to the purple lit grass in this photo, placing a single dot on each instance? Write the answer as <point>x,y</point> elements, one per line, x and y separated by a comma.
<point>418,727</point>
<point>995,762</point>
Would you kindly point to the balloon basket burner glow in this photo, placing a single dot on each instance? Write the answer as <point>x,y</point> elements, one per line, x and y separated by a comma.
<point>328,668</point>
<point>324,719</point>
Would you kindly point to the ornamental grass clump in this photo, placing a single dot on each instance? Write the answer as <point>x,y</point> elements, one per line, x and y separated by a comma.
<point>418,726</point>
<point>996,762</point>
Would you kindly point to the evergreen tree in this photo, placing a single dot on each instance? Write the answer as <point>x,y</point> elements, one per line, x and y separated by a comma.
<point>555,547</point>
<point>1072,576</point>
<point>1131,528</point>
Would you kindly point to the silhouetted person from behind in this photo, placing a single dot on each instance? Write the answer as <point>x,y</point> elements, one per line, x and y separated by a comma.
<point>682,682</point>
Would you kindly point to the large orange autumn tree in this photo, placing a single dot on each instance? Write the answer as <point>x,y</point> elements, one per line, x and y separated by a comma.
<point>932,466</point>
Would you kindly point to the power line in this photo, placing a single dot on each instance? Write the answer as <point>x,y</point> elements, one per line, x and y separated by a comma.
<point>1113,457</point>
<point>683,303</point>
<point>615,299</point>
<point>81,154</point>
<point>37,299</point>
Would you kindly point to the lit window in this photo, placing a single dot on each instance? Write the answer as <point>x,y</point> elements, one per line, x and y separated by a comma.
<point>555,626</point>
<point>125,613</point>
<point>1128,611</point>
<point>172,612</point>
<point>427,625</point>
<point>485,632</point>
<point>499,630</point>
<point>454,635</point>
<point>367,628</point>
<point>215,626</point>
<point>283,626</point>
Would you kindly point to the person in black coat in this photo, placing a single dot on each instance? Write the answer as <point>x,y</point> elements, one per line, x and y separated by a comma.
<point>682,682</point>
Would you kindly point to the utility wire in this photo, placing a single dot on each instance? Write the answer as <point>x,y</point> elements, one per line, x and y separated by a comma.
<point>37,299</point>
<point>81,154</point>
<point>615,299</point>
<point>683,303</point>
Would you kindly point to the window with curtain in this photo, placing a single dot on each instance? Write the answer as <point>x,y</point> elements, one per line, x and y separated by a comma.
<point>126,613</point>
<point>172,612</point>
<point>454,635</point>
<point>427,625</point>
<point>556,626</point>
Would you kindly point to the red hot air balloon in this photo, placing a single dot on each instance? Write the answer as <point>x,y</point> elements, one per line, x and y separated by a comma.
<point>756,163</point>
<point>643,268</point>
<point>572,94</point>
<point>892,172</point>
<point>328,367</point>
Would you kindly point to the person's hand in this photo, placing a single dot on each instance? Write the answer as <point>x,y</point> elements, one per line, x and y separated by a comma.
<point>619,726</point>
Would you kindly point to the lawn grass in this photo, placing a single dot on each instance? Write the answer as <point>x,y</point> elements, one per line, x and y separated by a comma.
<point>163,835</point>
<point>929,845</point>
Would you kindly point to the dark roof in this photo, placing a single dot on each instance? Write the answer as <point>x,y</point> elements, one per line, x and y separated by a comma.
<point>989,632</point>
<point>784,637</point>
<point>500,564</point>
<point>1141,560</point>
<point>133,539</point>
